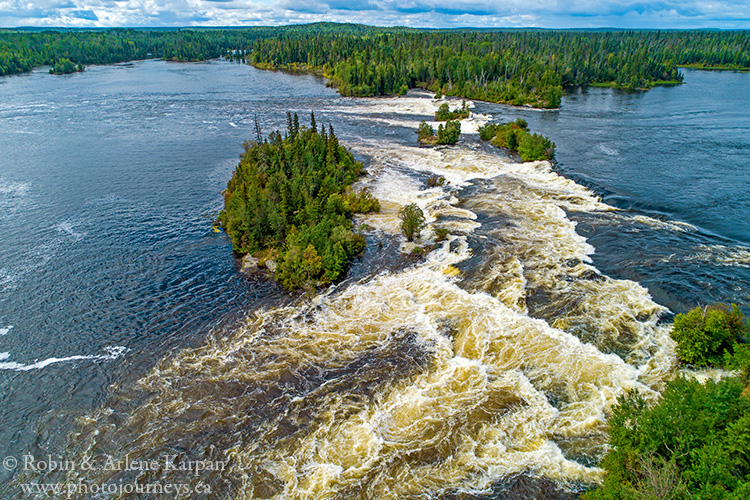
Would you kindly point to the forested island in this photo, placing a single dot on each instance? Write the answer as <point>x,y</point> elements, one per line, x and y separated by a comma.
<point>516,138</point>
<point>289,202</point>
<point>519,67</point>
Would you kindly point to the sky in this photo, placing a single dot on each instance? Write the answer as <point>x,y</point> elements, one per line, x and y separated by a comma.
<point>663,14</point>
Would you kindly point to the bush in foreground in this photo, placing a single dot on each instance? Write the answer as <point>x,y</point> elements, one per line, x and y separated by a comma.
<point>710,336</point>
<point>693,444</point>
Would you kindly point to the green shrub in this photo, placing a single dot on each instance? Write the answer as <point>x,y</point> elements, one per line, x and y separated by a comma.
<point>425,132</point>
<point>704,335</point>
<point>693,444</point>
<point>444,113</point>
<point>64,66</point>
<point>412,221</point>
<point>532,147</point>
<point>449,133</point>
<point>515,137</point>
<point>362,202</point>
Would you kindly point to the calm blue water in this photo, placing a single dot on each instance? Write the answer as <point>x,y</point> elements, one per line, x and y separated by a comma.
<point>110,181</point>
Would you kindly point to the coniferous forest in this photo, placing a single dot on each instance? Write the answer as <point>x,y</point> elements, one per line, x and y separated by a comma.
<point>521,67</point>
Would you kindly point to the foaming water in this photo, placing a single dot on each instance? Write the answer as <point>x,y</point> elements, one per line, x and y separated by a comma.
<point>500,353</point>
<point>112,353</point>
<point>495,356</point>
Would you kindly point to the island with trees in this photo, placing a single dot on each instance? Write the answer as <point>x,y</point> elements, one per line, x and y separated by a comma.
<point>516,138</point>
<point>447,133</point>
<point>444,113</point>
<point>290,202</point>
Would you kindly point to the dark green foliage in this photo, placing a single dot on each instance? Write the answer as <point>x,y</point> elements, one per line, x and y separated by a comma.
<point>426,133</point>
<point>695,443</point>
<point>444,113</point>
<point>64,66</point>
<point>448,133</point>
<point>362,202</point>
<point>515,137</point>
<point>532,147</point>
<point>490,130</point>
<point>289,200</point>
<point>515,67</point>
<point>704,335</point>
<point>412,221</point>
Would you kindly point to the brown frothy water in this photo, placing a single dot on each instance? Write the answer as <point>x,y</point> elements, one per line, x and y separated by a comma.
<point>433,381</point>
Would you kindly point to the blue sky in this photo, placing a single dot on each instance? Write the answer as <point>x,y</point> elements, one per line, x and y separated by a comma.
<point>416,13</point>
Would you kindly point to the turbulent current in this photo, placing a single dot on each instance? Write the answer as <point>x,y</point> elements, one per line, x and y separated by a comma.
<point>484,368</point>
<point>497,354</point>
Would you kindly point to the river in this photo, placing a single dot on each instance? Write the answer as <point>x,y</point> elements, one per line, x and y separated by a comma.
<point>127,329</point>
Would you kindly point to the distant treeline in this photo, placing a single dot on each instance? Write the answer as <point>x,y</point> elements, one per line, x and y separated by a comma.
<point>510,66</point>
<point>22,50</point>
<point>516,67</point>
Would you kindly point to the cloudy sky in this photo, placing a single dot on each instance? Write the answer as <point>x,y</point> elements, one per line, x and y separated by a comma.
<point>416,13</point>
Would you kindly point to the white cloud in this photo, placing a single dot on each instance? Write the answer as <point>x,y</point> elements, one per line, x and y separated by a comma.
<point>417,13</point>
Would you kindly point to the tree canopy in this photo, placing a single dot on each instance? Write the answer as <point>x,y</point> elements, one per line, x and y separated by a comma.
<point>521,67</point>
<point>290,200</point>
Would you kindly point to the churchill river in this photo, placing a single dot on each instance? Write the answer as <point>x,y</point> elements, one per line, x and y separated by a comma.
<point>128,332</point>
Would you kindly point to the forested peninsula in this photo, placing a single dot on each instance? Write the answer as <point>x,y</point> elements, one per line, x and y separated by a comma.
<point>520,67</point>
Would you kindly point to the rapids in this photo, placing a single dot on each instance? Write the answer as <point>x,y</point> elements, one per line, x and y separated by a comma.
<point>498,354</point>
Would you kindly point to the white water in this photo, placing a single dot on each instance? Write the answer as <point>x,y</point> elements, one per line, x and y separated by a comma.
<point>112,353</point>
<point>430,379</point>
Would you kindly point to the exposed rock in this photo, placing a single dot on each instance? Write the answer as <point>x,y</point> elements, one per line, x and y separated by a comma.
<point>271,265</point>
<point>249,263</point>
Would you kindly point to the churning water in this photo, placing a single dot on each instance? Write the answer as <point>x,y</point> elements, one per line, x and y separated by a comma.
<point>498,354</point>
